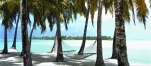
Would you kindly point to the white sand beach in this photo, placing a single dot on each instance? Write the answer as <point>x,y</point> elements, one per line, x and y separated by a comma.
<point>46,59</point>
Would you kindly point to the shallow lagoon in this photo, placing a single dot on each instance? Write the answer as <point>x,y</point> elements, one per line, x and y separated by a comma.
<point>139,51</point>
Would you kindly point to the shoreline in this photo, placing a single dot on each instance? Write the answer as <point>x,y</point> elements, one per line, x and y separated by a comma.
<point>45,59</point>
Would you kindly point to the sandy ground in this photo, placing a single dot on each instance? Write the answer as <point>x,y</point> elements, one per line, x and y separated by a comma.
<point>46,59</point>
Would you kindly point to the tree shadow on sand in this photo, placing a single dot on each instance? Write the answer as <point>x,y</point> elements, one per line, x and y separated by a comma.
<point>10,59</point>
<point>13,59</point>
<point>49,58</point>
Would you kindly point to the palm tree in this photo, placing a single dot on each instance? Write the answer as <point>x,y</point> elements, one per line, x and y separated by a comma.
<point>99,60</point>
<point>8,18</point>
<point>54,45</point>
<point>7,24</point>
<point>85,31</point>
<point>120,34</point>
<point>59,57</point>
<point>15,34</point>
<point>5,50</point>
<point>58,6</point>
<point>16,10</point>
<point>128,5</point>
<point>114,51</point>
<point>5,32</point>
<point>92,7</point>
<point>66,8</point>
<point>69,12</point>
<point>142,12</point>
<point>12,7</point>
<point>109,5</point>
<point>37,13</point>
<point>25,42</point>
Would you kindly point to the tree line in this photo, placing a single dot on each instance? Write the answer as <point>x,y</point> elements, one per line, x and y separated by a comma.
<point>71,38</point>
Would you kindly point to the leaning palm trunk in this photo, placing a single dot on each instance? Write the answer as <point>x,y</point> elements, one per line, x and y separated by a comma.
<point>120,34</point>
<point>99,60</point>
<point>59,57</point>
<point>5,50</point>
<point>54,45</point>
<point>25,42</point>
<point>114,51</point>
<point>15,35</point>
<point>32,30</point>
<point>30,38</point>
<point>85,31</point>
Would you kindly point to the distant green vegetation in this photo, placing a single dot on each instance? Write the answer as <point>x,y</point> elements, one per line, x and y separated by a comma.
<point>71,38</point>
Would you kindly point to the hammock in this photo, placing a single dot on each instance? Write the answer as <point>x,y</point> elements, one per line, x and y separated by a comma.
<point>64,45</point>
<point>79,57</point>
<point>89,51</point>
<point>54,48</point>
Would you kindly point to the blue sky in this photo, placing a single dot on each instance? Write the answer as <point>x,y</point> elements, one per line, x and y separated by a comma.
<point>76,28</point>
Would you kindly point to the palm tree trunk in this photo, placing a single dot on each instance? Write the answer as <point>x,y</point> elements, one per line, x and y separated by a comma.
<point>114,51</point>
<point>54,45</point>
<point>5,50</point>
<point>32,30</point>
<point>99,60</point>
<point>30,38</point>
<point>120,35</point>
<point>25,42</point>
<point>85,31</point>
<point>59,57</point>
<point>15,35</point>
<point>21,54</point>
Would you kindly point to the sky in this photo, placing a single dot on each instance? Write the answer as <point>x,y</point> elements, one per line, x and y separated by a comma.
<point>76,28</point>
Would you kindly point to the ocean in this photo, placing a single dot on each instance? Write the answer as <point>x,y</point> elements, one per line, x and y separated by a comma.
<point>139,51</point>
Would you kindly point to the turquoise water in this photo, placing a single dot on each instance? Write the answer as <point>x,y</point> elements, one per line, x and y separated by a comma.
<point>139,52</point>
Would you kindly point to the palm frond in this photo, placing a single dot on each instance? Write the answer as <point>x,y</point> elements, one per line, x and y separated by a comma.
<point>126,11</point>
<point>51,21</point>
<point>107,4</point>
<point>93,8</point>
<point>142,11</point>
<point>130,2</point>
<point>150,3</point>
<point>65,17</point>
